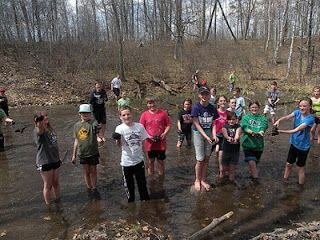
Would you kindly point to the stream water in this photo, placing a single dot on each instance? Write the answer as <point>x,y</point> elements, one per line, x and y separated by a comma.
<point>173,208</point>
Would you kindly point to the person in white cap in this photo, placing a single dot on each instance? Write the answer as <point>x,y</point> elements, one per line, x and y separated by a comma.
<point>86,135</point>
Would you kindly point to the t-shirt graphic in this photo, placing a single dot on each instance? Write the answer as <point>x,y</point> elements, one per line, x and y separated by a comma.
<point>273,96</point>
<point>83,134</point>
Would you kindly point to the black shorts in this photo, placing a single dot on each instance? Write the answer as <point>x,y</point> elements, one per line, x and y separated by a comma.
<point>250,155</point>
<point>158,154</point>
<point>100,116</point>
<point>220,142</point>
<point>317,120</point>
<point>49,166</point>
<point>297,155</point>
<point>230,158</point>
<point>93,160</point>
<point>116,91</point>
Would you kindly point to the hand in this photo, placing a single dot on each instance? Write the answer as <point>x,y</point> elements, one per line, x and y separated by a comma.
<point>163,136</point>
<point>209,139</point>
<point>261,133</point>
<point>276,124</point>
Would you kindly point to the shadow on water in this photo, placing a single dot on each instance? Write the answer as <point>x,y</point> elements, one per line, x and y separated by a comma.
<point>173,208</point>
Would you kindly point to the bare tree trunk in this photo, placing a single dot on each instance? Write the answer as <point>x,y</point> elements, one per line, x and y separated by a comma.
<point>203,20</point>
<point>225,18</point>
<point>179,26</point>
<point>26,19</point>
<point>106,19</point>
<point>269,26</point>
<point>309,56</point>
<point>95,24</point>
<point>120,39</point>
<point>16,19</point>
<point>210,22</point>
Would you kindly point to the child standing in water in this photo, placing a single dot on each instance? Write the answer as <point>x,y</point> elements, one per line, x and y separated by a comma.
<point>316,108</point>
<point>300,138</point>
<point>4,101</point>
<point>184,123</point>
<point>204,134</point>
<point>47,160</point>
<point>157,124</point>
<point>240,103</point>
<point>3,118</point>
<point>231,145</point>
<point>131,139</point>
<point>272,100</point>
<point>219,123</point>
<point>86,134</point>
<point>253,126</point>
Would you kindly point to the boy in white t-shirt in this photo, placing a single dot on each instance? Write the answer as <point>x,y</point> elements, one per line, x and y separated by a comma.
<point>131,136</point>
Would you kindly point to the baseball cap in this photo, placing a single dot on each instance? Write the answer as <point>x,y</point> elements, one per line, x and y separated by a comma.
<point>85,108</point>
<point>203,90</point>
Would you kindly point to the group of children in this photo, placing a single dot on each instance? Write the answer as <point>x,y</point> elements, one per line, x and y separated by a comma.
<point>213,124</point>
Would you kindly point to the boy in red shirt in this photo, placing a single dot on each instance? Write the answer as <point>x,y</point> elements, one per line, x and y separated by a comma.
<point>157,124</point>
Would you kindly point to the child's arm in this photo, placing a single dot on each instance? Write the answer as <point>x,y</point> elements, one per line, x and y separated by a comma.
<point>288,117</point>
<point>238,134</point>
<point>225,134</point>
<point>196,123</point>
<point>179,126</point>
<point>297,129</point>
<point>74,152</point>
<point>40,127</point>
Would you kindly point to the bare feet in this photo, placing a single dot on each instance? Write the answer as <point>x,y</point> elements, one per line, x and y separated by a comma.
<point>197,186</point>
<point>179,144</point>
<point>206,186</point>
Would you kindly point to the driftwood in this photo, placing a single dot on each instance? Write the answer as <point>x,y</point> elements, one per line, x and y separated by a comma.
<point>215,222</point>
<point>165,86</point>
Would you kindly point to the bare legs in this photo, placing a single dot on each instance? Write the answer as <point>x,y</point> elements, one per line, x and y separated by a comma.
<point>161,166</point>
<point>201,169</point>
<point>50,182</point>
<point>90,176</point>
<point>301,173</point>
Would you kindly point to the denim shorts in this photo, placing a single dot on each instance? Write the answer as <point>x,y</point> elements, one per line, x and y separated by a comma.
<point>201,146</point>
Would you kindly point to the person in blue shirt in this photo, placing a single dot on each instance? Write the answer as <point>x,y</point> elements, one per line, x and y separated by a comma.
<point>300,138</point>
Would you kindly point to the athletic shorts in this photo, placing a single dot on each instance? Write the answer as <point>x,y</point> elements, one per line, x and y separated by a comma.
<point>48,167</point>
<point>298,156</point>
<point>158,154</point>
<point>230,158</point>
<point>93,160</point>
<point>201,146</point>
<point>116,91</point>
<point>317,120</point>
<point>220,142</point>
<point>100,116</point>
<point>270,109</point>
<point>250,155</point>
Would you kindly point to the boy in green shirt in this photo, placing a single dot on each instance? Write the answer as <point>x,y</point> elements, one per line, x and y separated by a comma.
<point>86,135</point>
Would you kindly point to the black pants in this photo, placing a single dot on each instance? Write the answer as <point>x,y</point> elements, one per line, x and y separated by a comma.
<point>1,143</point>
<point>138,172</point>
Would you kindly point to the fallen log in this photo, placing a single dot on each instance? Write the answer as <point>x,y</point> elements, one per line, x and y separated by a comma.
<point>165,86</point>
<point>215,222</point>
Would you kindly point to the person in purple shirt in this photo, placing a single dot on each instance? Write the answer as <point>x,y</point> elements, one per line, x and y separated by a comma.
<point>204,135</point>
